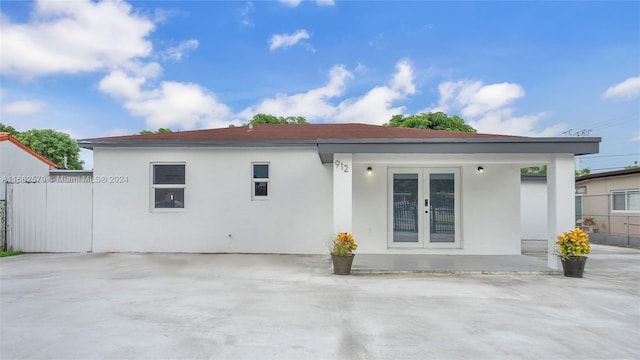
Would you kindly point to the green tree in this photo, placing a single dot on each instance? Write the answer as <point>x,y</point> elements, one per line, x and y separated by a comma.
<point>159,131</point>
<point>534,170</point>
<point>9,129</point>
<point>543,170</point>
<point>53,145</point>
<point>585,171</point>
<point>435,121</point>
<point>634,166</point>
<point>270,119</point>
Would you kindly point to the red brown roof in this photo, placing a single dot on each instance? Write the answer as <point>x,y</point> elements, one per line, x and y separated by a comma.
<point>267,132</point>
<point>4,136</point>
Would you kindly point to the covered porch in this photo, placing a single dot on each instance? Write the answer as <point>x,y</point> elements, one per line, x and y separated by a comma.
<point>486,203</point>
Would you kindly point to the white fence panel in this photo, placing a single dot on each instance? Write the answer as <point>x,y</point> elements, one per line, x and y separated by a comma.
<point>50,217</point>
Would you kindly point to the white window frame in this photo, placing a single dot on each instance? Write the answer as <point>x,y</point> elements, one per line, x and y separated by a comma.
<point>255,180</point>
<point>626,200</point>
<point>153,187</point>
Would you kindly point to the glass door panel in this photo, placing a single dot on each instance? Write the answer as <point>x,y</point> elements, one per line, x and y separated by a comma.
<point>442,207</point>
<point>405,208</point>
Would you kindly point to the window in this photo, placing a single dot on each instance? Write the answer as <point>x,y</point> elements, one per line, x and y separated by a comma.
<point>625,200</point>
<point>259,181</point>
<point>168,184</point>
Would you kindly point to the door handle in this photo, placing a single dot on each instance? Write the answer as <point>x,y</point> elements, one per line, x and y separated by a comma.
<point>426,205</point>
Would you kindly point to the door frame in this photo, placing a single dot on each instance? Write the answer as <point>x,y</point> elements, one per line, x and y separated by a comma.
<point>424,221</point>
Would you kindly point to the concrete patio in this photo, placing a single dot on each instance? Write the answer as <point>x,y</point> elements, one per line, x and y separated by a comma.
<point>191,306</point>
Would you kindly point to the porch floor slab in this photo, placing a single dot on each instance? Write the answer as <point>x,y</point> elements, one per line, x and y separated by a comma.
<point>451,264</point>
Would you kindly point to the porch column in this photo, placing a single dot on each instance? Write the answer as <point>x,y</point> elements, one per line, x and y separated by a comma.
<point>342,192</point>
<point>560,202</point>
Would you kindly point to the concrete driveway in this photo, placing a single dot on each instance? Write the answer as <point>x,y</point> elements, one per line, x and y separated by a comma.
<point>152,306</point>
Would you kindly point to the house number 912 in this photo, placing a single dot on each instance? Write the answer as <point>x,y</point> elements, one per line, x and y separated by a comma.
<point>342,166</point>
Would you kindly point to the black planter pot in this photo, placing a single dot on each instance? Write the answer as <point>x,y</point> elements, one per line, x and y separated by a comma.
<point>342,264</point>
<point>574,266</point>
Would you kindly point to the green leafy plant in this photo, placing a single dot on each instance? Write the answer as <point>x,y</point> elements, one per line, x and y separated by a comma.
<point>10,253</point>
<point>573,243</point>
<point>343,244</point>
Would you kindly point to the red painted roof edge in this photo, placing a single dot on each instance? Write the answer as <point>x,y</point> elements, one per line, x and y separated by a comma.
<point>8,137</point>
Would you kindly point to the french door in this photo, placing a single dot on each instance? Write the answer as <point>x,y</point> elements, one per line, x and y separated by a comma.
<point>424,207</point>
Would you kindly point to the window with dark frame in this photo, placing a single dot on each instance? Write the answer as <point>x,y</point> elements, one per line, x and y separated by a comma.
<point>168,185</point>
<point>260,180</point>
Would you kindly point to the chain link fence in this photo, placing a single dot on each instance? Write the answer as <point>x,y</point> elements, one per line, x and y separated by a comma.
<point>608,223</point>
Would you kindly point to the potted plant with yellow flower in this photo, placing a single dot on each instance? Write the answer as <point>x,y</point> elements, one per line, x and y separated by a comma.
<point>572,248</point>
<point>342,255</point>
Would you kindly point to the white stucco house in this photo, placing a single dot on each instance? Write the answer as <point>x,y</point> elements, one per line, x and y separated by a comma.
<point>18,162</point>
<point>289,188</point>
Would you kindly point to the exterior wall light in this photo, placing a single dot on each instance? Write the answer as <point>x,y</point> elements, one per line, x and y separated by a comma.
<point>369,170</point>
<point>480,170</point>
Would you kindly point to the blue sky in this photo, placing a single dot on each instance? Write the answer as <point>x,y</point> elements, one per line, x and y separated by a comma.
<point>524,68</point>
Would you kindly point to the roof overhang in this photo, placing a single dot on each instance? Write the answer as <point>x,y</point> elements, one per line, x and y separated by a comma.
<point>575,146</point>
<point>328,147</point>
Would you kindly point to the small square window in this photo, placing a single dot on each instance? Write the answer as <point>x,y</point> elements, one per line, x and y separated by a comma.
<point>260,171</point>
<point>260,180</point>
<point>169,198</point>
<point>168,174</point>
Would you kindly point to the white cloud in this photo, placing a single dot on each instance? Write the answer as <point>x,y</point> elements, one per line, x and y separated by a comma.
<point>176,53</point>
<point>627,89</point>
<point>23,107</point>
<point>170,104</point>
<point>636,138</point>
<point>374,107</point>
<point>245,14</point>
<point>488,108</point>
<point>286,40</point>
<point>74,36</point>
<point>295,3</point>
<point>312,104</point>
<point>290,3</point>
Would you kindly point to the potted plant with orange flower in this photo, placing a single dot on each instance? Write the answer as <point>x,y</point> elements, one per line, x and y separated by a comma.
<point>342,248</point>
<point>572,248</point>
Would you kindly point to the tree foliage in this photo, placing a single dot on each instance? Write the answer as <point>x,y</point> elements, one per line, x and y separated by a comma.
<point>270,119</point>
<point>534,170</point>
<point>53,145</point>
<point>8,129</point>
<point>435,121</point>
<point>543,170</point>
<point>159,131</point>
<point>634,166</point>
<point>585,171</point>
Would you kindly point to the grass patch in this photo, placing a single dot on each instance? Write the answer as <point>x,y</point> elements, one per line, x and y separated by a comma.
<point>10,253</point>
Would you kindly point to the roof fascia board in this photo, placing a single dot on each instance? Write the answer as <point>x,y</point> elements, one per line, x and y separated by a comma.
<point>461,148</point>
<point>88,144</point>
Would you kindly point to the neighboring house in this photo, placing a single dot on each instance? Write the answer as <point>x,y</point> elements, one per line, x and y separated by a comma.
<point>18,163</point>
<point>612,200</point>
<point>290,188</point>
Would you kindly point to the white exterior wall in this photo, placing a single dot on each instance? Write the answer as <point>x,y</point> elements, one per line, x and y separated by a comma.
<point>533,222</point>
<point>490,202</point>
<point>297,217</point>
<point>14,161</point>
